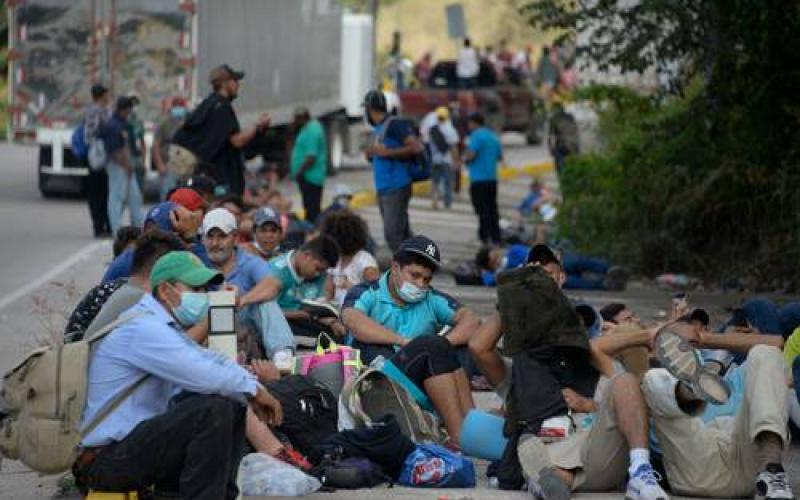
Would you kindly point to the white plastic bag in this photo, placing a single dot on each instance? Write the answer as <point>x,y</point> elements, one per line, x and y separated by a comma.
<point>263,475</point>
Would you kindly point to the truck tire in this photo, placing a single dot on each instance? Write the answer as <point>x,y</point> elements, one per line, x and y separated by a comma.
<point>337,144</point>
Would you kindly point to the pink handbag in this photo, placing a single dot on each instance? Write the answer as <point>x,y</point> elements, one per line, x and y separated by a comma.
<point>335,366</point>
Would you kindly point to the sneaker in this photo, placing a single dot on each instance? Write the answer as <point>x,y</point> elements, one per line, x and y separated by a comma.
<point>772,484</point>
<point>643,485</point>
<point>548,486</point>
<point>294,457</point>
<point>684,362</point>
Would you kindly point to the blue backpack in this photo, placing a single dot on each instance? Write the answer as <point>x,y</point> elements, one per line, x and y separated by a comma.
<point>78,142</point>
<point>433,466</point>
<point>419,167</point>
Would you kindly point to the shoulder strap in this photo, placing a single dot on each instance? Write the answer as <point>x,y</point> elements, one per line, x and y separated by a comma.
<point>385,130</point>
<point>100,334</point>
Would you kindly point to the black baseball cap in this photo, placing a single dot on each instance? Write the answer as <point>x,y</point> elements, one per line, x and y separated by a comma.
<point>422,246</point>
<point>224,72</point>
<point>543,255</point>
<point>374,99</point>
<point>201,183</point>
<point>124,103</point>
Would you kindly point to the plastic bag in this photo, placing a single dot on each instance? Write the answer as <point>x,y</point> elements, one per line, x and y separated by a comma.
<point>263,475</point>
<point>433,466</point>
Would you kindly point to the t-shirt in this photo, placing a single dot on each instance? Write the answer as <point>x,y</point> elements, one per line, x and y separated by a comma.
<point>392,174</point>
<point>120,301</point>
<point>247,272</point>
<point>120,267</point>
<point>293,288</point>
<point>207,132</point>
<point>114,134</point>
<point>488,151</point>
<point>426,317</point>
<point>791,349</point>
<point>311,142</point>
<point>88,309</point>
<point>448,131</point>
<point>345,278</point>
<point>467,65</point>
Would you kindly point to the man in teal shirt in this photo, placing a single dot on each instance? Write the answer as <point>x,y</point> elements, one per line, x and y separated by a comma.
<point>482,156</point>
<point>309,163</point>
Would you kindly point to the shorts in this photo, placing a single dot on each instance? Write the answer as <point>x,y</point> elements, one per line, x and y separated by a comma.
<point>426,356</point>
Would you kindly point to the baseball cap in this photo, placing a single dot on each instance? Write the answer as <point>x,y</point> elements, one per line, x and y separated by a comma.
<point>99,90</point>
<point>423,246</point>
<point>188,198</point>
<point>542,254</point>
<point>124,103</point>
<point>159,215</point>
<point>221,219</point>
<point>224,72</point>
<point>266,215</point>
<point>442,112</point>
<point>202,184</point>
<point>184,267</point>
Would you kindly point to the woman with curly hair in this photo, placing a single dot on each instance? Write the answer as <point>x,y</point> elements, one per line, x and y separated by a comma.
<point>355,264</point>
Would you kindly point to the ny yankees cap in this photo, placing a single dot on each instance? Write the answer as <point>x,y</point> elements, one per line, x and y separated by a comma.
<point>423,246</point>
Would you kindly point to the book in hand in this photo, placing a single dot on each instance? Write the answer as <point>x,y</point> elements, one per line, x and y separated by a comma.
<point>319,308</point>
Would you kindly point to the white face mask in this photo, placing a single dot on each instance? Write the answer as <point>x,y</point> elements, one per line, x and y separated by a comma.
<point>411,293</point>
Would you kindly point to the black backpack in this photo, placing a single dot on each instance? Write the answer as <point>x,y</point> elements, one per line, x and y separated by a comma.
<point>309,411</point>
<point>439,141</point>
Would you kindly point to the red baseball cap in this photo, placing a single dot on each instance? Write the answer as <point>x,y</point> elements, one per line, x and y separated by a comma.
<point>188,198</point>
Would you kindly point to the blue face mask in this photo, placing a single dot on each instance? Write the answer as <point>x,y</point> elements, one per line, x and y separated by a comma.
<point>179,113</point>
<point>192,309</point>
<point>411,293</point>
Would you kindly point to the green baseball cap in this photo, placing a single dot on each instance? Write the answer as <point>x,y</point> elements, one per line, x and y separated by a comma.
<point>184,267</point>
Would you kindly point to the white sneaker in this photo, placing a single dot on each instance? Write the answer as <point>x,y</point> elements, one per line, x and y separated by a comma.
<point>773,485</point>
<point>643,485</point>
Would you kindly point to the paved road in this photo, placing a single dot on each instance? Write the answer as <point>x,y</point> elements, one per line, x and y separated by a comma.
<point>50,259</point>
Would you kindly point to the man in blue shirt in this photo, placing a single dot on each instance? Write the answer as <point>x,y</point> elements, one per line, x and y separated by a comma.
<point>483,153</point>
<point>182,427</point>
<point>390,159</point>
<point>399,316</point>
<point>245,272</point>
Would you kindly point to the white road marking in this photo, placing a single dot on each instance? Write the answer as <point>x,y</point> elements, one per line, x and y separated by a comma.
<point>52,273</point>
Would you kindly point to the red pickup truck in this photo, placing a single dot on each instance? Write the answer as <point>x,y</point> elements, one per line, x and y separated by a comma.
<point>508,105</point>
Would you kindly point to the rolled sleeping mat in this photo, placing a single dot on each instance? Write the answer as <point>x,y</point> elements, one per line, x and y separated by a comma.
<point>482,435</point>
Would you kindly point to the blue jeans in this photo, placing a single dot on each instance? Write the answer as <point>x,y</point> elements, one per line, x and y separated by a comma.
<point>123,189</point>
<point>165,184</point>
<point>268,320</point>
<point>574,267</point>
<point>442,181</point>
<point>768,318</point>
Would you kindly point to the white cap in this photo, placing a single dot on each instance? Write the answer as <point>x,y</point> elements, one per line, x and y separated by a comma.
<point>342,190</point>
<point>221,219</point>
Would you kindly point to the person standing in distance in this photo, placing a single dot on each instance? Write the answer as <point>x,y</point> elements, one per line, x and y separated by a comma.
<point>309,162</point>
<point>391,153</point>
<point>483,153</point>
<point>96,114</point>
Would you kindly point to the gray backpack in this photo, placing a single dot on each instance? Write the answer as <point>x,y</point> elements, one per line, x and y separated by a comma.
<point>44,398</point>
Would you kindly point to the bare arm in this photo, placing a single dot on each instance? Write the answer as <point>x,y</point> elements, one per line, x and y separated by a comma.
<point>469,155</point>
<point>466,324</point>
<point>604,348</point>
<point>309,161</point>
<point>369,331</point>
<point>265,290</point>
<point>241,138</point>
<point>739,342</point>
<point>487,336</point>
<point>330,288</point>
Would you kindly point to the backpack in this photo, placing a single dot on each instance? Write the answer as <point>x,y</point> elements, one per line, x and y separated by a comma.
<point>335,366</point>
<point>373,395</point>
<point>45,396</point>
<point>350,473</point>
<point>419,167</point>
<point>97,155</point>
<point>78,142</point>
<point>433,466</point>
<point>439,141</point>
<point>309,411</point>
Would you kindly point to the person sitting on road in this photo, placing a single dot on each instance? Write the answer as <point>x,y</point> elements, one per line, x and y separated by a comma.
<point>295,276</point>
<point>246,272</point>
<point>183,426</point>
<point>169,217</point>
<point>355,263</point>
<point>730,450</point>
<point>594,457</point>
<point>267,236</point>
<point>398,317</point>
<point>105,302</point>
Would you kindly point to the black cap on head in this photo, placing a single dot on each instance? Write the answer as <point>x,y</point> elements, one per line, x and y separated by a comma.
<point>376,101</point>
<point>222,73</point>
<point>422,246</point>
<point>124,103</point>
<point>202,184</point>
<point>543,255</point>
<point>98,91</point>
<point>477,117</point>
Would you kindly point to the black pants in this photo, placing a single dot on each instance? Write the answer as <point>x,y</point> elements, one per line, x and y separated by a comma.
<point>97,195</point>
<point>424,357</point>
<point>484,201</point>
<point>194,448</point>
<point>394,211</point>
<point>312,199</point>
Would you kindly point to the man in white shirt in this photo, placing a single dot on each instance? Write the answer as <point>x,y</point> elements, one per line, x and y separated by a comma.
<point>467,66</point>
<point>439,134</point>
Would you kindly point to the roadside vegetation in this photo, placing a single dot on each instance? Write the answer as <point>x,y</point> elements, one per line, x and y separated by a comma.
<point>704,177</point>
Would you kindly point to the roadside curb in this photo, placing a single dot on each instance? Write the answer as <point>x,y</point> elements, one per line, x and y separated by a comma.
<point>369,197</point>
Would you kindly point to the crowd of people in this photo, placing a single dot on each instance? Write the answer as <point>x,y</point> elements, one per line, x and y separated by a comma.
<point>677,406</point>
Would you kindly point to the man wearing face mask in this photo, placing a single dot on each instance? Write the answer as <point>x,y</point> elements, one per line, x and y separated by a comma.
<point>183,426</point>
<point>398,317</point>
<point>245,272</point>
<point>176,114</point>
<point>212,133</point>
